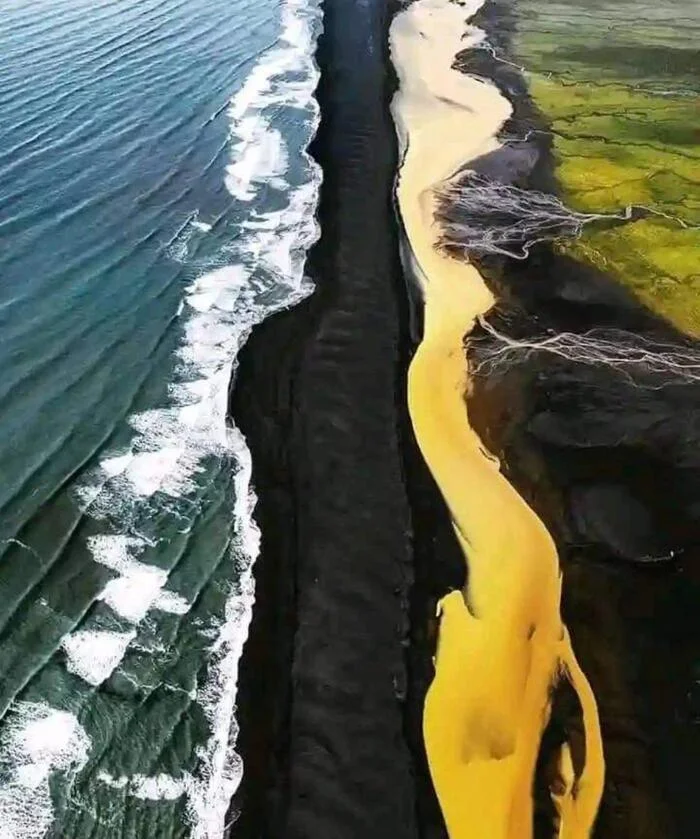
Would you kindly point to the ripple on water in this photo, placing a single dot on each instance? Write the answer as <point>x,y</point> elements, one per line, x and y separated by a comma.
<point>152,226</point>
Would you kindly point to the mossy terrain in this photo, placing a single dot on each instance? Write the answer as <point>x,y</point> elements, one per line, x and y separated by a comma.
<point>617,82</point>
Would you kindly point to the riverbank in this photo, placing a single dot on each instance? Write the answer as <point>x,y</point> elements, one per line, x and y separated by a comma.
<point>587,447</point>
<point>597,428</point>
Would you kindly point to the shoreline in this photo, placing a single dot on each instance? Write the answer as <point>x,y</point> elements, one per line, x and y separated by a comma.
<point>598,600</point>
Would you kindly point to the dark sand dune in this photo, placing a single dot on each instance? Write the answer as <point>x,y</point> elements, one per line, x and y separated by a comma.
<point>330,693</point>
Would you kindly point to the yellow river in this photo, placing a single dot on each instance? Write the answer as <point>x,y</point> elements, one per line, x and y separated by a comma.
<point>502,643</point>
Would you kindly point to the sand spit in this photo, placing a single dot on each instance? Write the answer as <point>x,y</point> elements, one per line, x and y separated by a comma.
<point>502,643</point>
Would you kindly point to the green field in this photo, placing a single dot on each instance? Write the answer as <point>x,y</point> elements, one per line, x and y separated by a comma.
<point>618,86</point>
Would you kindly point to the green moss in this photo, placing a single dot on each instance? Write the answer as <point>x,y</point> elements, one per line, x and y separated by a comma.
<point>658,261</point>
<point>621,142</point>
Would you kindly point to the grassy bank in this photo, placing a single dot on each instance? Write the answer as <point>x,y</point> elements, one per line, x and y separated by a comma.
<point>618,87</point>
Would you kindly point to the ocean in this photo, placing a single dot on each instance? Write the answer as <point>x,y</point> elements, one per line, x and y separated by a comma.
<point>156,201</point>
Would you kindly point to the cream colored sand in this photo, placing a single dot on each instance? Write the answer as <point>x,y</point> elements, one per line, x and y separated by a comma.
<point>502,643</point>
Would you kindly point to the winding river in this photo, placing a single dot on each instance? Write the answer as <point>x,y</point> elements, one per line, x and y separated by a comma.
<point>502,645</point>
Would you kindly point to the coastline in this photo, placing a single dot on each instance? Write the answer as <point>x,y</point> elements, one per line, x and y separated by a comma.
<point>338,658</point>
<point>472,429</point>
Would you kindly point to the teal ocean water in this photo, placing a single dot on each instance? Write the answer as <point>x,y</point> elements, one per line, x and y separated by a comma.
<point>156,201</point>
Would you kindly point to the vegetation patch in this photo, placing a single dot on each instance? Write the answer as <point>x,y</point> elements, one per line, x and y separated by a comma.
<point>626,132</point>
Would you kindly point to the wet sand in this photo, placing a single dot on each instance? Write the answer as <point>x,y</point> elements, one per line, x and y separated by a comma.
<point>502,643</point>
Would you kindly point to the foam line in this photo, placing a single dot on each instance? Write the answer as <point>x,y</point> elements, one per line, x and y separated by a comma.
<point>37,742</point>
<point>175,446</point>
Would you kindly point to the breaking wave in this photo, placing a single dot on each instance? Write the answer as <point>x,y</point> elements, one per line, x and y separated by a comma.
<point>142,496</point>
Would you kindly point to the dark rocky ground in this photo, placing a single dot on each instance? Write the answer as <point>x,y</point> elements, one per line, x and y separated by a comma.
<point>611,462</point>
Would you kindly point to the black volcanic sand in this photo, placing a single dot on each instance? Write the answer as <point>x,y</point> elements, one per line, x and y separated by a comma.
<point>611,462</point>
<point>337,663</point>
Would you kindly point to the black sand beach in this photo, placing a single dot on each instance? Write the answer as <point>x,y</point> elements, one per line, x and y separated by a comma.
<point>331,689</point>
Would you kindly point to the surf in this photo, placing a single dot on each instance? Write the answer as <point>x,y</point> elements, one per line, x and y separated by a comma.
<point>177,461</point>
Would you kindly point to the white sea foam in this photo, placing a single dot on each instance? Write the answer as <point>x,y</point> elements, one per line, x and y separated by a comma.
<point>94,654</point>
<point>160,787</point>
<point>174,444</point>
<point>115,782</point>
<point>261,156</point>
<point>37,741</point>
<point>221,768</point>
<point>114,466</point>
<point>279,241</point>
<point>139,587</point>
